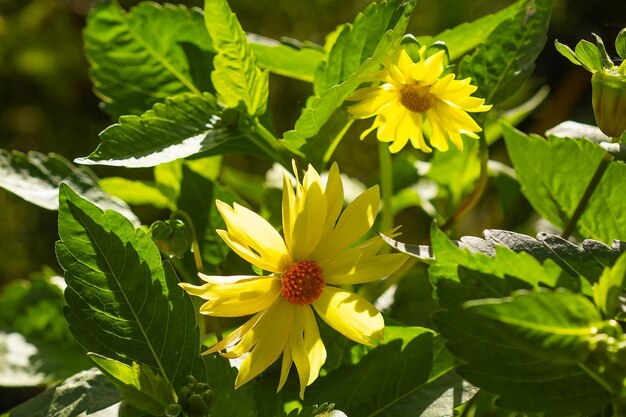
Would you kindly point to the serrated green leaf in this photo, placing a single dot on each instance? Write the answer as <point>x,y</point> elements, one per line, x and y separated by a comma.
<point>554,190</point>
<point>136,192</point>
<point>118,285</point>
<point>87,391</point>
<point>567,52</point>
<point>468,35</point>
<point>135,63</point>
<point>372,387</point>
<point>299,61</point>
<point>609,287</point>
<point>320,110</point>
<point>507,58</point>
<point>35,177</point>
<point>620,43</point>
<point>228,402</point>
<point>589,55</point>
<point>182,126</point>
<point>138,384</point>
<point>236,77</point>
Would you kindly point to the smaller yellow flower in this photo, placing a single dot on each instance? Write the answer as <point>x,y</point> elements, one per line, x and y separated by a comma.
<point>307,269</point>
<point>413,95</point>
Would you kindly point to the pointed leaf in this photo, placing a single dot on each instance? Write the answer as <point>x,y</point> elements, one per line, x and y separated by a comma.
<point>589,55</point>
<point>35,177</point>
<point>567,52</point>
<point>620,44</point>
<point>141,57</point>
<point>610,286</point>
<point>236,77</point>
<point>507,58</point>
<point>87,391</point>
<point>124,303</point>
<point>182,126</point>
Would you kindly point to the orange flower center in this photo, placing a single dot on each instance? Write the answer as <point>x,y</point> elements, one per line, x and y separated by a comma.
<point>303,282</point>
<point>416,98</point>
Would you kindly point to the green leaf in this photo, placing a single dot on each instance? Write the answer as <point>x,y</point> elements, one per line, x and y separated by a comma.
<point>123,303</point>
<point>620,44</point>
<point>589,55</point>
<point>35,177</point>
<point>135,63</point>
<point>567,52</point>
<point>290,59</point>
<point>468,35</point>
<point>228,402</point>
<point>554,189</point>
<point>236,77</point>
<point>138,384</point>
<point>607,63</point>
<point>323,410</point>
<point>609,287</point>
<point>136,192</point>
<point>319,111</point>
<point>87,391</point>
<point>507,58</point>
<point>182,126</point>
<point>373,387</point>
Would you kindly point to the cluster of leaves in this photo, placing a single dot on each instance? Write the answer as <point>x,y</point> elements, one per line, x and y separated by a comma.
<point>526,325</point>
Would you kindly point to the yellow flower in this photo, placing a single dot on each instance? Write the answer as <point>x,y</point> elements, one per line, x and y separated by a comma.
<point>306,268</point>
<point>414,95</point>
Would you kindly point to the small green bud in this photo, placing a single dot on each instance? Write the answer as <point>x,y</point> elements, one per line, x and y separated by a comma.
<point>196,407</point>
<point>172,237</point>
<point>609,102</point>
<point>173,410</point>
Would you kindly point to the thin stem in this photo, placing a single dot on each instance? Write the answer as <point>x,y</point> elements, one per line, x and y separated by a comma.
<point>385,164</point>
<point>474,197</point>
<point>582,204</point>
<point>333,145</point>
<point>270,144</point>
<point>596,377</point>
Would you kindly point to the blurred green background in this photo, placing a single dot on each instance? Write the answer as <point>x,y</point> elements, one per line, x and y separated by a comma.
<point>47,103</point>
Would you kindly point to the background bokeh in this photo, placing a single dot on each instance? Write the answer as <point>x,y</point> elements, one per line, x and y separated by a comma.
<point>47,105</point>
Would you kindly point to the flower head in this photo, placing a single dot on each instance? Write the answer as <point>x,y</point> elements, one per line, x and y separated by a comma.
<point>414,95</point>
<point>306,268</point>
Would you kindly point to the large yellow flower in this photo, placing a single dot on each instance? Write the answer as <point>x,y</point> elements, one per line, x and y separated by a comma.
<point>414,95</point>
<point>305,268</point>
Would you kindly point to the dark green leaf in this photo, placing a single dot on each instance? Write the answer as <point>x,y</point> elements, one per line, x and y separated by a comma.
<point>123,303</point>
<point>289,59</point>
<point>138,384</point>
<point>373,387</point>
<point>507,58</point>
<point>324,410</point>
<point>554,190</point>
<point>135,63</point>
<point>236,77</point>
<point>468,35</point>
<point>88,391</point>
<point>620,44</point>
<point>589,55</point>
<point>35,177</point>
<point>184,125</point>
<point>609,287</point>
<point>229,402</point>
<point>321,108</point>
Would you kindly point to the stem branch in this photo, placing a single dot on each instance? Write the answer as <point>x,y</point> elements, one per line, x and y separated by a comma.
<point>386,185</point>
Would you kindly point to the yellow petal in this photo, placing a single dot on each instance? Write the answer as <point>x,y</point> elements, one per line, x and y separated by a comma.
<point>405,63</point>
<point>354,222</point>
<point>289,209</point>
<point>243,250</point>
<point>309,222</point>
<point>224,279</point>
<point>235,336</point>
<point>298,349</point>
<point>366,269</point>
<point>417,138</point>
<point>269,337</point>
<point>285,367</point>
<point>314,345</point>
<point>334,197</point>
<point>350,315</point>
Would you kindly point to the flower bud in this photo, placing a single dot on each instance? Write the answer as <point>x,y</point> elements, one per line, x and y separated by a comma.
<point>609,102</point>
<point>172,237</point>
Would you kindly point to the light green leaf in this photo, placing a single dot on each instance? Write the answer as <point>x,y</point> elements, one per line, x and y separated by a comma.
<point>373,386</point>
<point>135,63</point>
<point>507,58</point>
<point>182,126</point>
<point>236,77</point>
<point>294,60</point>
<point>468,35</point>
<point>136,192</point>
<point>567,52</point>
<point>609,287</point>
<point>87,391</point>
<point>589,55</point>
<point>35,177</point>
<point>620,44</point>
<point>554,189</point>
<point>138,384</point>
<point>124,303</point>
<point>320,110</point>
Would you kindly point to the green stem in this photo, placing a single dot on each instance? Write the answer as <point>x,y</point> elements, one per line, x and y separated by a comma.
<point>596,377</point>
<point>333,145</point>
<point>385,165</point>
<point>582,204</point>
<point>474,197</point>
<point>270,144</point>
